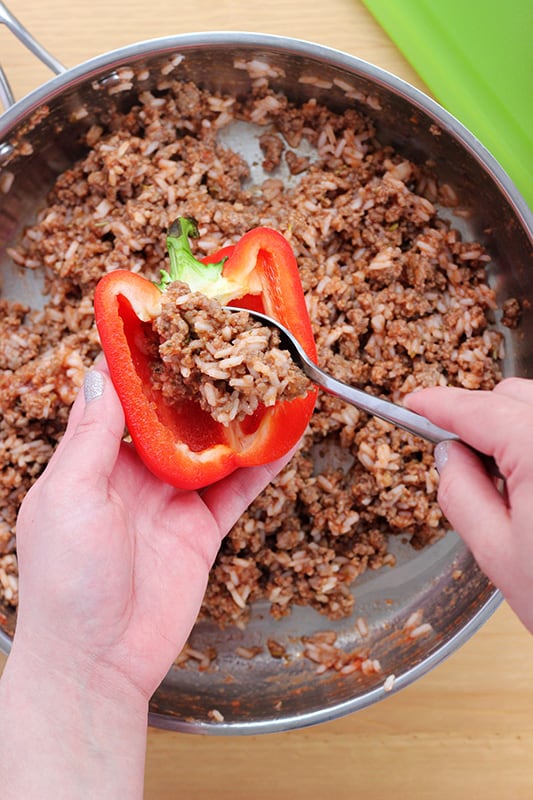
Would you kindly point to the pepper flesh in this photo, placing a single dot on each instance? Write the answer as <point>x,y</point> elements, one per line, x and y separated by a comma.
<point>180,442</point>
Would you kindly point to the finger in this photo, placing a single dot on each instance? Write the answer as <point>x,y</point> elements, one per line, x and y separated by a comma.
<point>75,414</point>
<point>518,388</point>
<point>474,507</point>
<point>77,411</point>
<point>229,498</point>
<point>495,424</point>
<point>90,446</point>
<point>441,404</point>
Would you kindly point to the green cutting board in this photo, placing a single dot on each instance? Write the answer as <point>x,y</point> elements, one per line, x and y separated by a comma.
<point>476,57</point>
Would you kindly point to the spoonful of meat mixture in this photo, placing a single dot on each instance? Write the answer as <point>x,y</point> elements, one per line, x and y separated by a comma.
<point>228,362</point>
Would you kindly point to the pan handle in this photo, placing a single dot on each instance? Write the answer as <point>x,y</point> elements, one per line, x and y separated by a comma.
<point>17,29</point>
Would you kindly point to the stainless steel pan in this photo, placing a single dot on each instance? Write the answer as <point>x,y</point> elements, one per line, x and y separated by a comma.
<point>268,694</point>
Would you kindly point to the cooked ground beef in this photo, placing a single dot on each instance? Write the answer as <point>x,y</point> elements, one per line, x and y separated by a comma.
<point>272,146</point>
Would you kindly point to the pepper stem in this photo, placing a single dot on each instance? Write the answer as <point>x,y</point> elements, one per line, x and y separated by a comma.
<point>184,266</point>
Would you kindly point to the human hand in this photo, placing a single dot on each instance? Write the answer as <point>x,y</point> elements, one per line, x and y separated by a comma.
<point>113,563</point>
<point>496,527</point>
<point>113,566</point>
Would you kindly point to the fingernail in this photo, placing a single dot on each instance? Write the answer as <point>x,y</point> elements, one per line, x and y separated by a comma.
<point>93,385</point>
<point>441,455</point>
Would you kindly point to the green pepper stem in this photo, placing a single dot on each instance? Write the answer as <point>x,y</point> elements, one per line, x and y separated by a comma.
<point>184,266</point>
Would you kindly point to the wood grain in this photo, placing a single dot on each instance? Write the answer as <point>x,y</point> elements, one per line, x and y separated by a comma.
<point>465,731</point>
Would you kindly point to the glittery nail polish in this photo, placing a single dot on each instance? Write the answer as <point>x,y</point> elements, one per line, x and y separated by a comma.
<point>93,385</point>
<point>441,455</point>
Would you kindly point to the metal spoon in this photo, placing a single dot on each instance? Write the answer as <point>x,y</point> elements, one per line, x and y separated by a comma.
<point>384,409</point>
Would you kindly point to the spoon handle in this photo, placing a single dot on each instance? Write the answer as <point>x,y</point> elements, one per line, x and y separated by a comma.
<point>398,415</point>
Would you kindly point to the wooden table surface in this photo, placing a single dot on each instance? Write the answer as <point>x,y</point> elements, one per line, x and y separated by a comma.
<point>463,731</point>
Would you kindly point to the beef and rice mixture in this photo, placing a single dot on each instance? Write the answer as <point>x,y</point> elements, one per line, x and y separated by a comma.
<point>223,359</point>
<point>397,299</point>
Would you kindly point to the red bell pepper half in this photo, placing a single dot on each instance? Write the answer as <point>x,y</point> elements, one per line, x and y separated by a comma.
<point>181,443</point>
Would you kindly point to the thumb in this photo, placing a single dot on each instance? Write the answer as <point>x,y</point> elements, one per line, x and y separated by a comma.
<point>474,507</point>
<point>94,432</point>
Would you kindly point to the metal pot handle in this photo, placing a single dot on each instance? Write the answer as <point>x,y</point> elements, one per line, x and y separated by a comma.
<point>17,28</point>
